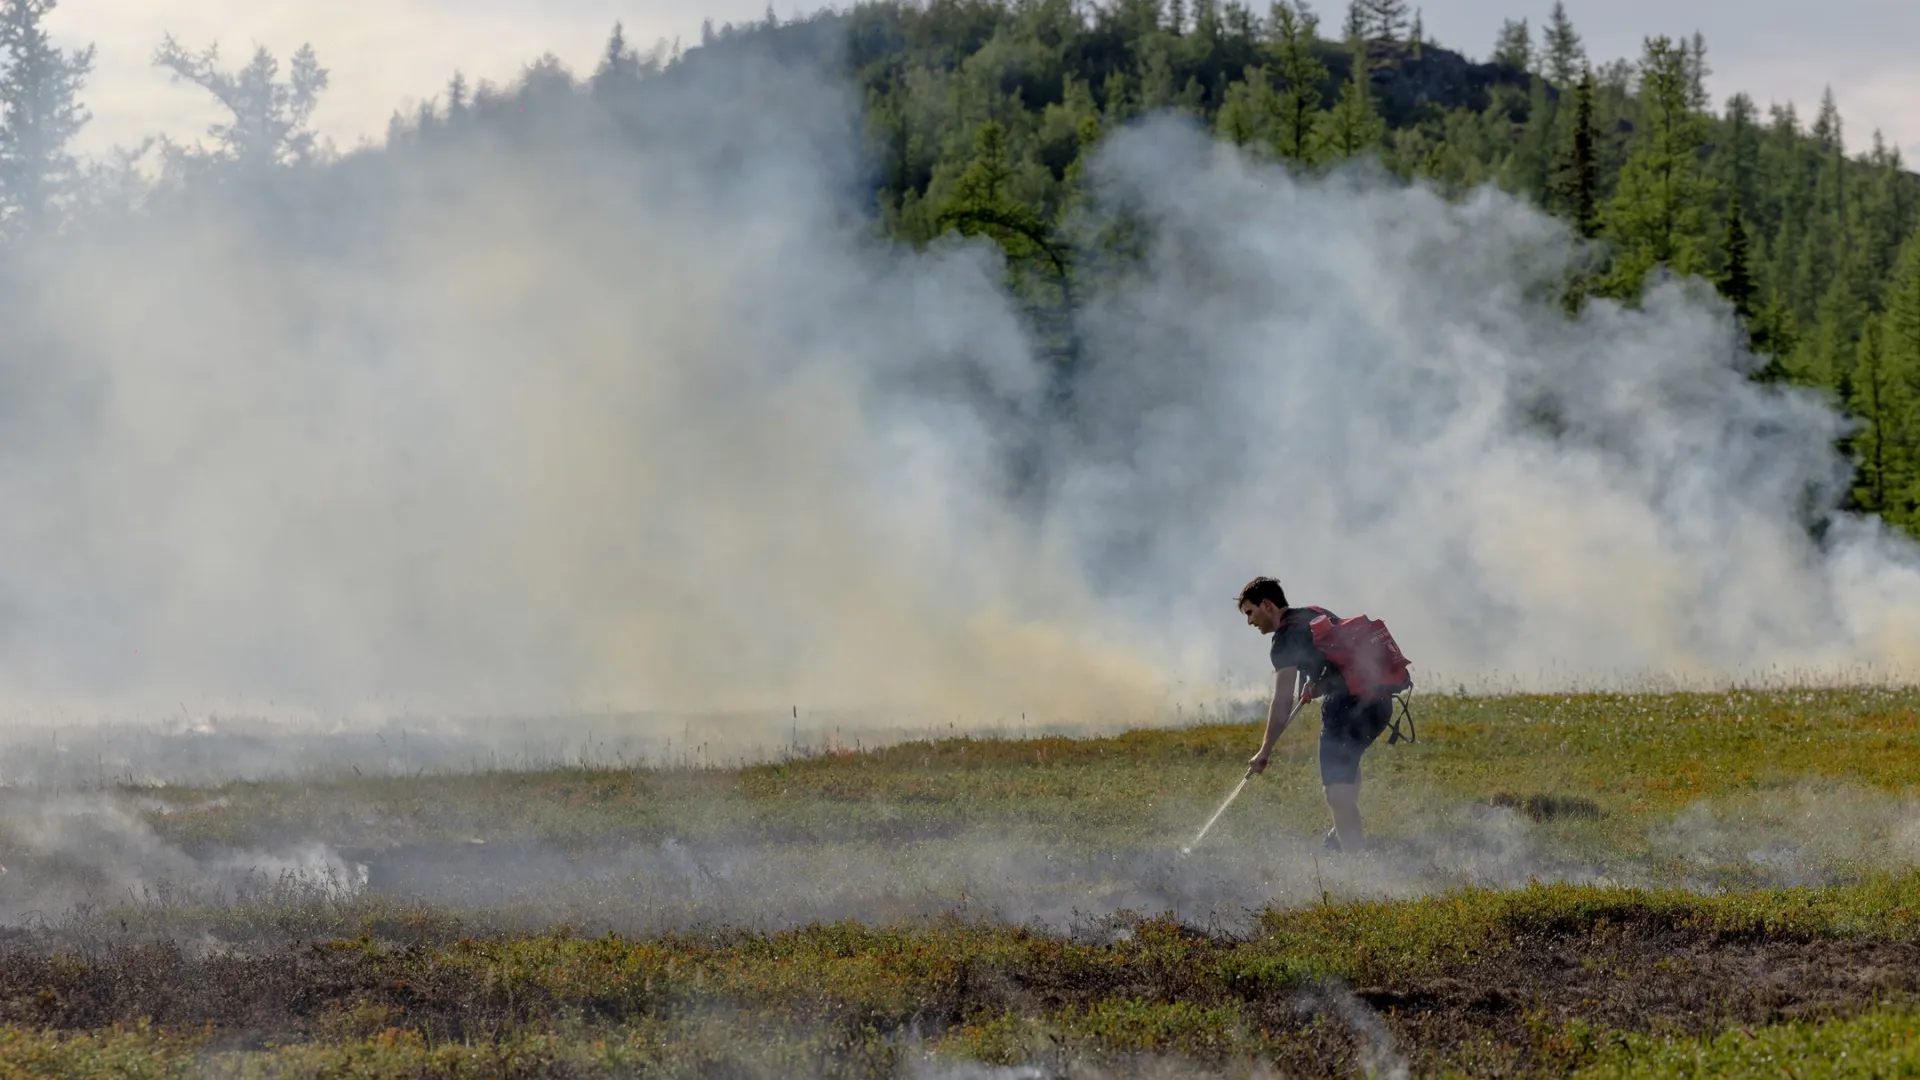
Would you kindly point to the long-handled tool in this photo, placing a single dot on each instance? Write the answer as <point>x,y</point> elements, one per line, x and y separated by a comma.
<point>1235,793</point>
<point>1188,849</point>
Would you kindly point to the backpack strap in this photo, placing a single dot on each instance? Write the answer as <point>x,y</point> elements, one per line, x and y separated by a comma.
<point>1394,723</point>
<point>1312,688</point>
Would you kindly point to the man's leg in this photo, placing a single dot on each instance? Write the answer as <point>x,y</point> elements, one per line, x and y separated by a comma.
<point>1344,801</point>
<point>1345,734</point>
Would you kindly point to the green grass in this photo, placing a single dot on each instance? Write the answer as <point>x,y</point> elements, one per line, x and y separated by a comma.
<point>1769,827</point>
<point>1879,1043</point>
<point>1632,755</point>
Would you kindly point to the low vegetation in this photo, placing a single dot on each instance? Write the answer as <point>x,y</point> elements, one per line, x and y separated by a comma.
<point>1718,883</point>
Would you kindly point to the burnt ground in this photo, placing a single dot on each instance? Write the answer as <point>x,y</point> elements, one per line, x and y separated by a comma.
<point>1505,1013</point>
<point>1636,978</point>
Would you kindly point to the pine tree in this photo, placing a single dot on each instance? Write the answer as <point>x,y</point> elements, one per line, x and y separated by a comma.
<point>1206,24</point>
<point>1826,126</point>
<point>1742,156</point>
<point>1880,203</point>
<point>1249,110</point>
<point>1417,37</point>
<point>1579,182</point>
<point>1697,72</point>
<point>982,203</point>
<point>1156,76</point>
<point>1565,56</point>
<point>620,66</point>
<point>1386,20</point>
<point>1736,273</point>
<point>456,96</point>
<point>1531,167</point>
<point>1354,126</point>
<point>1881,397</point>
<point>1514,47</point>
<point>1655,216</point>
<point>1776,336</point>
<point>1301,73</point>
<point>268,124</point>
<point>1356,25</point>
<point>39,116</point>
<point>1899,344</point>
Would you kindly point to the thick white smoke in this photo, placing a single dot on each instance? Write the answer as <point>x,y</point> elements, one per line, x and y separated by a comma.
<point>644,414</point>
<point>1374,395</point>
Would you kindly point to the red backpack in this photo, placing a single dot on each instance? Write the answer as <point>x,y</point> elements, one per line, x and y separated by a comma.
<point>1363,651</point>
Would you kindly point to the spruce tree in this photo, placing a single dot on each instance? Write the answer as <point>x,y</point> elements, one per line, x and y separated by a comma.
<point>39,115</point>
<point>1386,20</point>
<point>1565,56</point>
<point>1741,158</point>
<point>1249,110</point>
<point>1736,274</point>
<point>1899,344</point>
<point>1514,46</point>
<point>1579,183</point>
<point>982,203</point>
<point>621,66</point>
<point>267,119</point>
<point>1655,216</point>
<point>1697,72</point>
<point>1356,25</point>
<point>1883,447</point>
<point>1301,73</point>
<point>1354,126</point>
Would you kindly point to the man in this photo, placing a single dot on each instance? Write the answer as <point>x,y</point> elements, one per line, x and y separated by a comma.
<point>1348,725</point>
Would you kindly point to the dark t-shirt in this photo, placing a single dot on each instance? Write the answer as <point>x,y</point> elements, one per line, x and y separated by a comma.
<point>1293,648</point>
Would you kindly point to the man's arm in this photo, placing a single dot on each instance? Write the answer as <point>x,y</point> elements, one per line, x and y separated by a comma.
<point>1279,714</point>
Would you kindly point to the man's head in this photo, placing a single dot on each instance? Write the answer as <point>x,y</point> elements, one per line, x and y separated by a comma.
<point>1263,601</point>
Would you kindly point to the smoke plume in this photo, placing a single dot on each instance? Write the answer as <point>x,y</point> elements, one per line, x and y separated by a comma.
<point>641,412</point>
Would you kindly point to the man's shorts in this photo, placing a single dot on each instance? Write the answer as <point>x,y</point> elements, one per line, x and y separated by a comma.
<point>1347,728</point>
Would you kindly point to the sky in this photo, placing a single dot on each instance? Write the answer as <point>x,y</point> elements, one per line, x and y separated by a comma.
<point>388,54</point>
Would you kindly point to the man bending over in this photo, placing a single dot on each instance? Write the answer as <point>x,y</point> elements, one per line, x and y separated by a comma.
<point>1347,725</point>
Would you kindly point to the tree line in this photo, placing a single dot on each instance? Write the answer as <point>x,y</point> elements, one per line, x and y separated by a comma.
<point>981,115</point>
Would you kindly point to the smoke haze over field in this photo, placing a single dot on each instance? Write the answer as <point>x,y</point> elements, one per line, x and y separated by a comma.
<point>653,420</point>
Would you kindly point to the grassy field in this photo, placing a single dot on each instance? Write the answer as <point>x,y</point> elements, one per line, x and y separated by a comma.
<point>1594,885</point>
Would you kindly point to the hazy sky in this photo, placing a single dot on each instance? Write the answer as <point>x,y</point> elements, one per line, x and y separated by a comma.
<point>384,54</point>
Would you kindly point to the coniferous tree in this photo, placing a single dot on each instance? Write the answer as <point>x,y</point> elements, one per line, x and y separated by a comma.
<point>1881,206</point>
<point>1776,336</point>
<point>1881,399</point>
<point>1207,26</point>
<point>1356,24</point>
<point>1514,46</point>
<point>456,96</point>
<point>621,66</point>
<point>1530,169</point>
<point>1564,55</point>
<point>1579,182</point>
<point>1386,20</point>
<point>1655,216</point>
<point>982,203</point>
<point>1742,154</point>
<point>1301,73</point>
<point>1353,127</point>
<point>267,123</point>
<point>40,113</point>
<point>1249,110</point>
<point>1697,72</point>
<point>1736,274</point>
<point>1417,37</point>
<point>1898,342</point>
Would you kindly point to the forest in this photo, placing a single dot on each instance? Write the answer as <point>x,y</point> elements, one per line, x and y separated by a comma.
<point>981,114</point>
